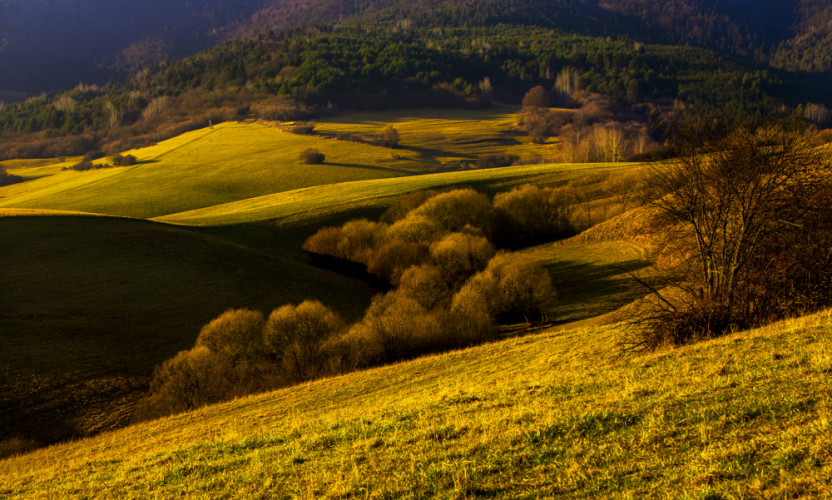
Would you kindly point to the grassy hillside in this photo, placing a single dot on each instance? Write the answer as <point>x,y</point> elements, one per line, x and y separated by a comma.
<point>236,161</point>
<point>94,303</point>
<point>550,414</point>
<point>325,200</point>
<point>206,167</point>
<point>90,305</point>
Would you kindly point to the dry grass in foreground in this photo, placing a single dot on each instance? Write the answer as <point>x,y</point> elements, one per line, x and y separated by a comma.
<point>746,415</point>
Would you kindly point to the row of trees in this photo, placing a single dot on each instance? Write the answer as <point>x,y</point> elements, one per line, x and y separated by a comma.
<point>450,289</point>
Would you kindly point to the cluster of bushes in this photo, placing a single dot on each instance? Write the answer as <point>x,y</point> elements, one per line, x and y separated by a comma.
<point>120,160</point>
<point>86,163</point>
<point>450,289</point>
<point>412,228</point>
<point>242,352</point>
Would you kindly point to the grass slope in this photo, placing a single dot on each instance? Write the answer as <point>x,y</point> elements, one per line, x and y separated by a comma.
<point>323,201</point>
<point>552,414</point>
<point>439,137</point>
<point>205,167</point>
<point>91,304</point>
<point>236,161</point>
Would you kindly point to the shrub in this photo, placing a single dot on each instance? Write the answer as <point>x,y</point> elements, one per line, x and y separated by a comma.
<point>404,204</point>
<point>537,97</point>
<point>394,257</point>
<point>426,285</point>
<point>511,287</point>
<point>190,380</point>
<point>325,241</point>
<point>296,336</point>
<point>495,161</point>
<point>456,209</point>
<point>415,229</point>
<point>124,160</point>
<point>531,214</point>
<point>312,157</point>
<point>390,137</point>
<point>359,239</point>
<point>303,128</point>
<point>459,255</point>
<point>237,334</point>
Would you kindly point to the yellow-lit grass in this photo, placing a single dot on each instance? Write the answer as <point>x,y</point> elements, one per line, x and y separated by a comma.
<point>205,167</point>
<point>235,161</point>
<point>439,137</point>
<point>554,414</point>
<point>325,200</point>
<point>592,279</point>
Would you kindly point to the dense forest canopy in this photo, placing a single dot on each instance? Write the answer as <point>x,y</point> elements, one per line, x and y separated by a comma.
<point>390,65</point>
<point>54,44</point>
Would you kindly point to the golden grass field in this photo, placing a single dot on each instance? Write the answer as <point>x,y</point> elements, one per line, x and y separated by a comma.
<point>549,414</point>
<point>95,295</point>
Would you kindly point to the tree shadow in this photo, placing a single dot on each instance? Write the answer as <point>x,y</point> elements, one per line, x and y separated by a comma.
<point>587,290</point>
<point>370,167</point>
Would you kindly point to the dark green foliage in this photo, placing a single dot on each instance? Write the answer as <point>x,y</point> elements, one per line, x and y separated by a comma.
<point>279,75</point>
<point>124,160</point>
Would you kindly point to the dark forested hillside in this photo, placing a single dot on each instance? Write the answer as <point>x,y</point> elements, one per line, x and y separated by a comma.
<point>54,44</point>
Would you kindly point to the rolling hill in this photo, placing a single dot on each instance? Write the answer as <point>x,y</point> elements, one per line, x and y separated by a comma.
<point>94,302</point>
<point>550,414</point>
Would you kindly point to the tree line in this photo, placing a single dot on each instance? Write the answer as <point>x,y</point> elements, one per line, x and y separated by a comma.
<point>292,74</point>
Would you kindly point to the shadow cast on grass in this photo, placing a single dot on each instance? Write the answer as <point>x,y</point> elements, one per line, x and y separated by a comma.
<point>586,290</point>
<point>370,167</point>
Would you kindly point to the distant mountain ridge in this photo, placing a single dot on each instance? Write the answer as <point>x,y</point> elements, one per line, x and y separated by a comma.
<point>54,44</point>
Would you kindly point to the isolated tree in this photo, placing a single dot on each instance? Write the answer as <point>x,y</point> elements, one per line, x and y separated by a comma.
<point>390,137</point>
<point>730,192</point>
<point>312,157</point>
<point>537,97</point>
<point>296,335</point>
